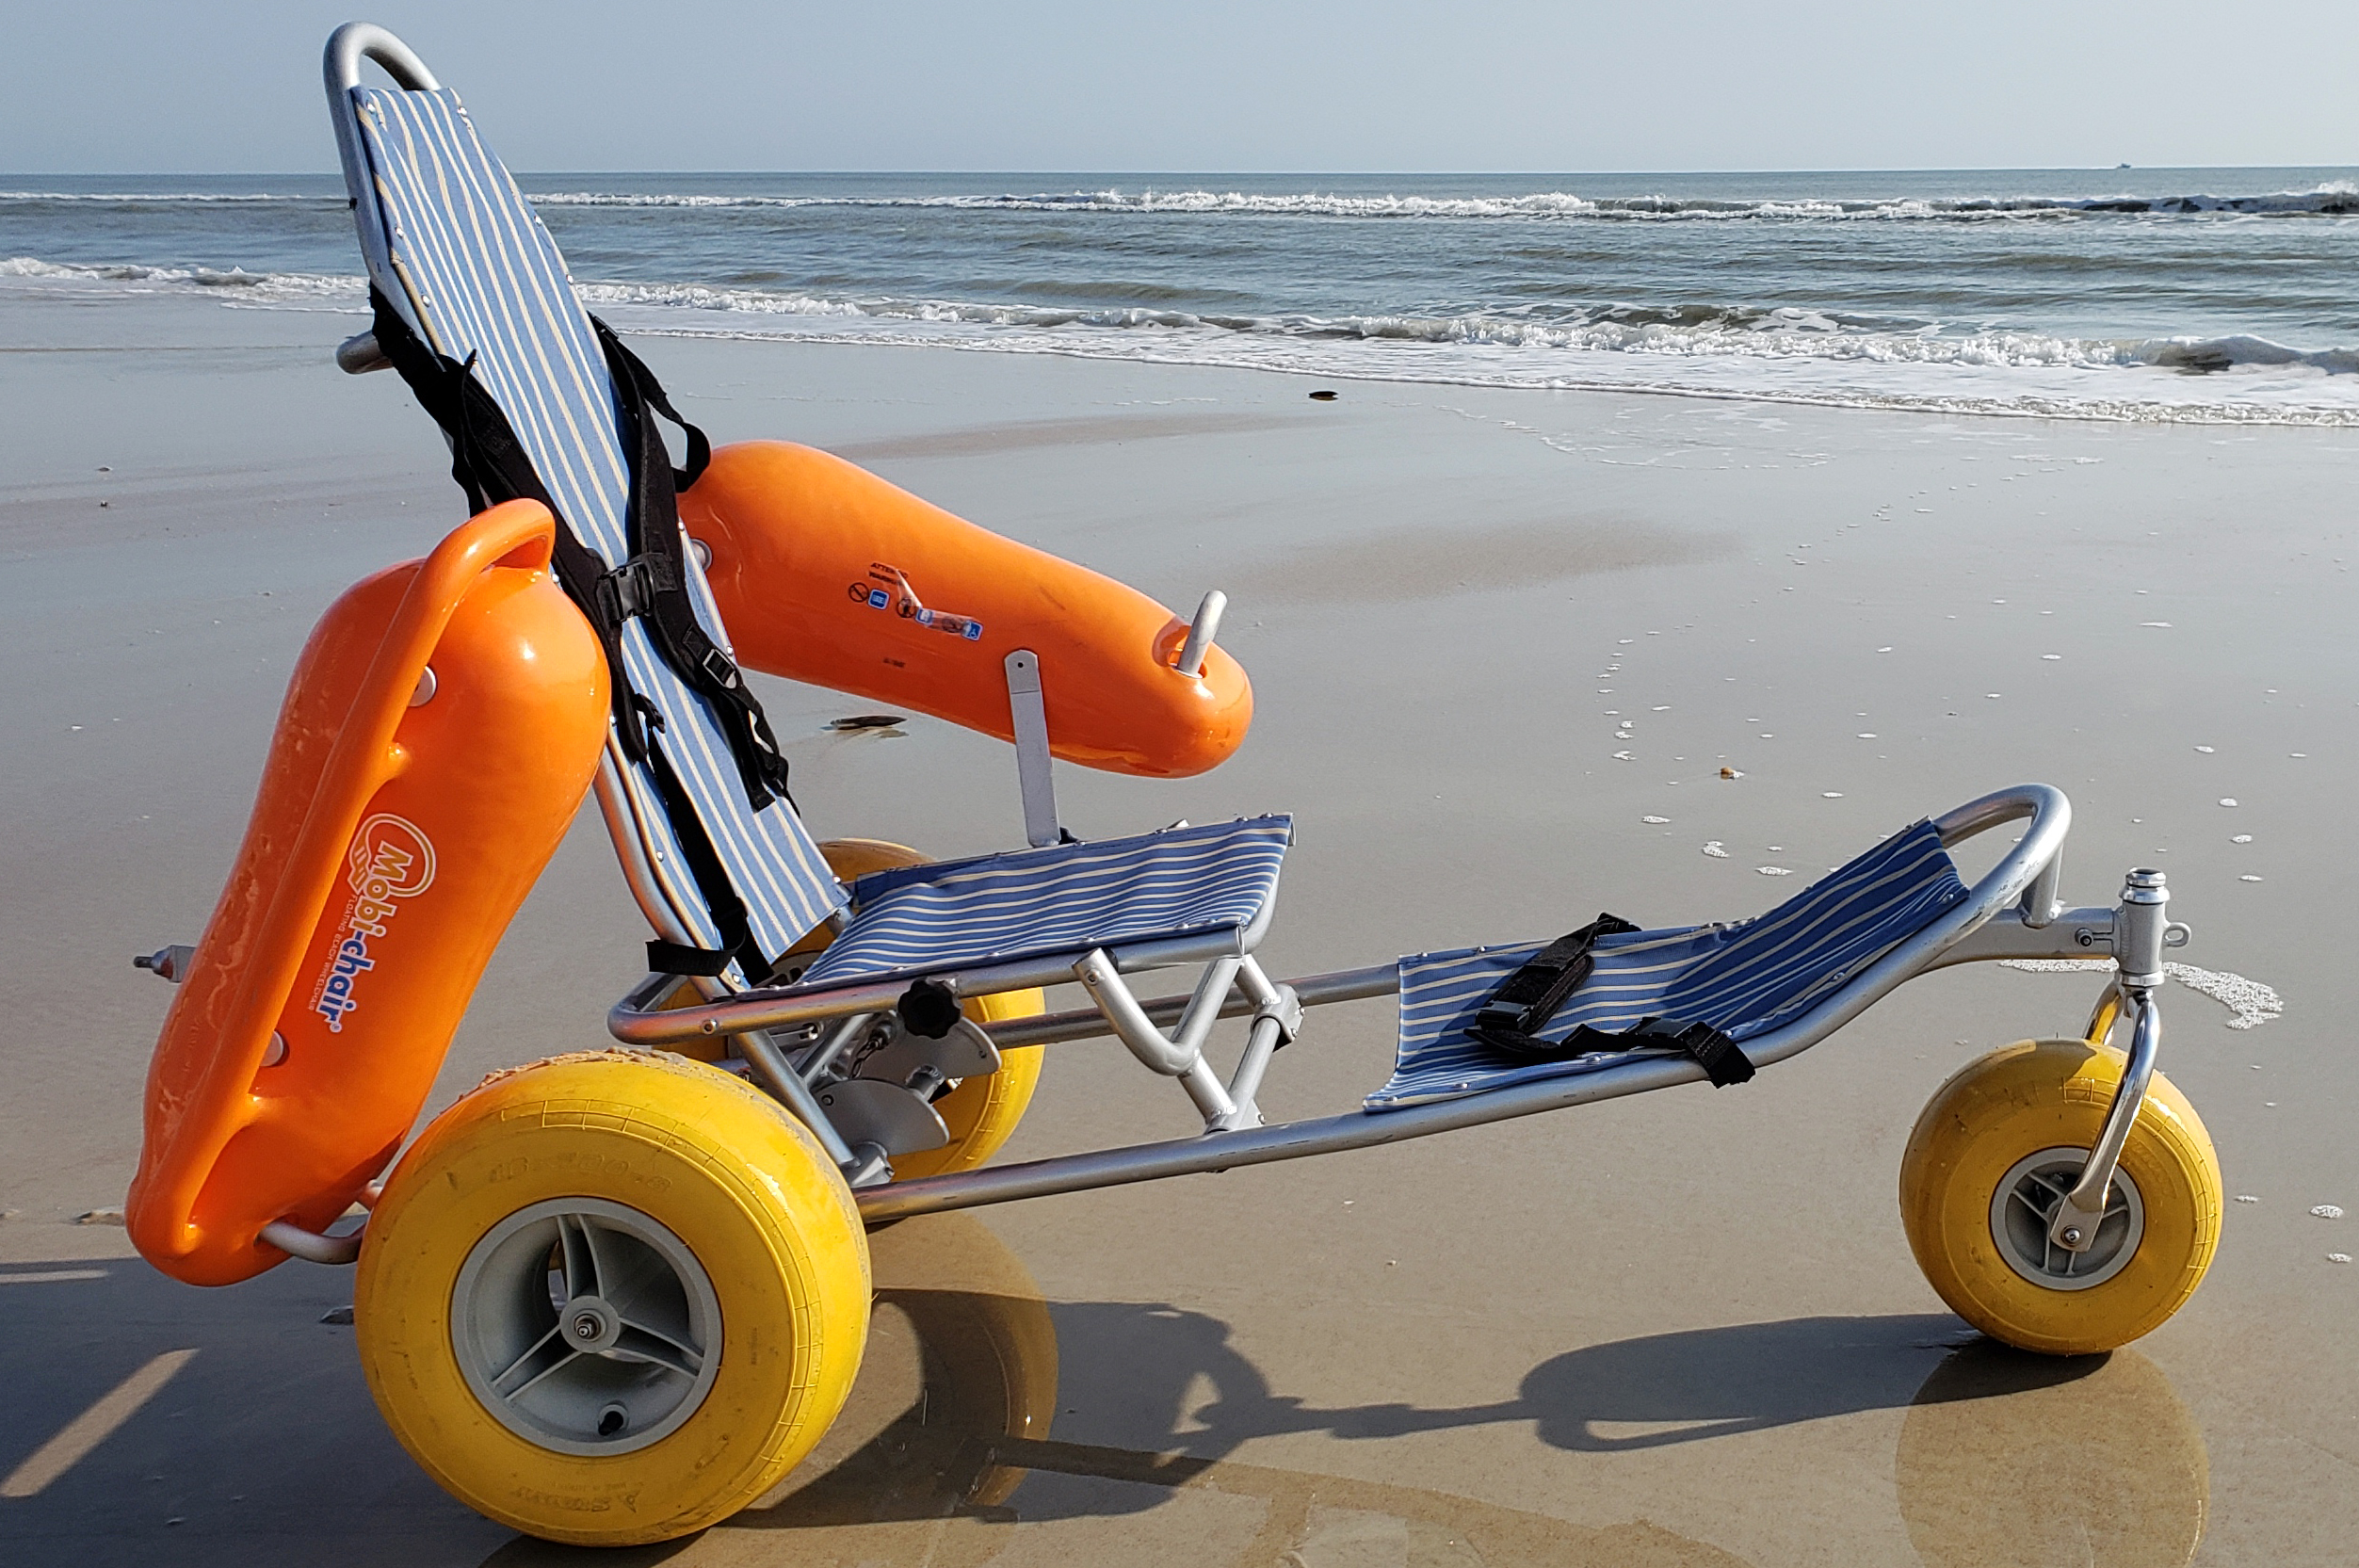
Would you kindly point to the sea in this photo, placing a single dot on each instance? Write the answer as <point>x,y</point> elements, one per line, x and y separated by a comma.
<point>2219,296</point>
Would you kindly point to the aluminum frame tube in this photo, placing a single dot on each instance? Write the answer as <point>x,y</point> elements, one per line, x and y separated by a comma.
<point>311,1246</point>
<point>2002,885</point>
<point>1173,1057</point>
<point>1262,1145</point>
<point>1201,632</point>
<point>340,71</point>
<point>628,1021</point>
<point>1210,1095</point>
<point>1058,1029</point>
<point>780,1078</point>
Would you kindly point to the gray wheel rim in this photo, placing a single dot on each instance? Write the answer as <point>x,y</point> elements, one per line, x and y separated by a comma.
<point>2026,1202</point>
<point>586,1327</point>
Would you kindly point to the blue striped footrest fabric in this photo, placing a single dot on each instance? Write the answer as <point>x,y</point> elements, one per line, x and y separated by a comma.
<point>1066,899</point>
<point>1744,979</point>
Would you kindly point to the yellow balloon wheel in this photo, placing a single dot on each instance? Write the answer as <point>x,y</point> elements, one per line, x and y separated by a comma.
<point>1995,1148</point>
<point>611,1299</point>
<point>981,1113</point>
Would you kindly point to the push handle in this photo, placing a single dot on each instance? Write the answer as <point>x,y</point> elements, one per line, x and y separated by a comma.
<point>349,44</point>
<point>365,758</point>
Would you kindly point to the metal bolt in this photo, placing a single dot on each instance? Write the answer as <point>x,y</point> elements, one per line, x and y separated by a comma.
<point>586,1325</point>
<point>2071,1236</point>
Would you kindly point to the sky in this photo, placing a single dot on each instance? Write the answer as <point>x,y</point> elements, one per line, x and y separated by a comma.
<point>1319,86</point>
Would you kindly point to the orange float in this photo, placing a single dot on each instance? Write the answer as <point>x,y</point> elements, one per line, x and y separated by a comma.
<point>827,573</point>
<point>441,728</point>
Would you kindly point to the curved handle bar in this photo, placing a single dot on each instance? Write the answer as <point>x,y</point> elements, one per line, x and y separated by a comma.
<point>349,43</point>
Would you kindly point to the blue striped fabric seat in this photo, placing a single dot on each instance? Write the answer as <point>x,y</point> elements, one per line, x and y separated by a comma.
<point>1066,899</point>
<point>483,279</point>
<point>1744,979</point>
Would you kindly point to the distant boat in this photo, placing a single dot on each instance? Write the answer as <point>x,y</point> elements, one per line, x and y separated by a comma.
<point>2121,166</point>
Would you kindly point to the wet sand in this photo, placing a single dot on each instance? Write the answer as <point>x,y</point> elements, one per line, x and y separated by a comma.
<point>1683,1329</point>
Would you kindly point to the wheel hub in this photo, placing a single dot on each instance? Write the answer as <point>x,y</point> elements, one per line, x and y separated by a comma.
<point>592,1324</point>
<point>2023,1206</point>
<point>586,1327</point>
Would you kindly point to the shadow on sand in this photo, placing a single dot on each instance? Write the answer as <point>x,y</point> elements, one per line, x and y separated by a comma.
<point>263,1447</point>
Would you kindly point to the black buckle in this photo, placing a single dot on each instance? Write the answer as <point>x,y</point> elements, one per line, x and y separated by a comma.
<point>1722,1059</point>
<point>1525,1000</point>
<point>627,590</point>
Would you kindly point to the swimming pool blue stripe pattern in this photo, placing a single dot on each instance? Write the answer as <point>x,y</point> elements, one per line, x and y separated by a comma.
<point>1744,979</point>
<point>484,279</point>
<point>1066,899</point>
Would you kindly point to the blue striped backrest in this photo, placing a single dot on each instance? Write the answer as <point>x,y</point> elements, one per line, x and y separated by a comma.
<point>1065,898</point>
<point>1744,979</point>
<point>484,279</point>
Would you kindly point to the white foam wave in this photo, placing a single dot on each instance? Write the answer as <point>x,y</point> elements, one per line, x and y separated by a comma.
<point>1698,332</point>
<point>260,284</point>
<point>2335,199</point>
<point>169,197</point>
<point>1787,356</point>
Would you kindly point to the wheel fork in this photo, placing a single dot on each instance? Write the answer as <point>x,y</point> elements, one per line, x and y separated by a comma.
<point>2140,931</point>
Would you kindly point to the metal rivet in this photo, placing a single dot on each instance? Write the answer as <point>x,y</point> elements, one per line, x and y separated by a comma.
<point>275,1052</point>
<point>424,692</point>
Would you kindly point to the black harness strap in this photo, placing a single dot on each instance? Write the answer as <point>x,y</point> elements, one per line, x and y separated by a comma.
<point>490,466</point>
<point>1722,1059</point>
<point>653,582</point>
<point>1517,1011</point>
<point>1513,1018</point>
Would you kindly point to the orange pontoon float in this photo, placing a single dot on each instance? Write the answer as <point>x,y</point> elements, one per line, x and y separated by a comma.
<point>615,1295</point>
<point>825,574</point>
<point>441,728</point>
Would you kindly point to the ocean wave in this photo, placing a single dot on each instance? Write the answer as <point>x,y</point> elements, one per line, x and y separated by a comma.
<point>2111,403</point>
<point>171,198</point>
<point>2335,199</point>
<point>1686,330</point>
<point>1701,349</point>
<point>234,279</point>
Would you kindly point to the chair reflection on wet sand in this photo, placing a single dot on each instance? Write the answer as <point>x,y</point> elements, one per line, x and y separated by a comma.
<point>945,1453</point>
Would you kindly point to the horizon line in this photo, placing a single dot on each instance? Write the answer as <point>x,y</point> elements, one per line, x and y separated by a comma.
<point>330,171</point>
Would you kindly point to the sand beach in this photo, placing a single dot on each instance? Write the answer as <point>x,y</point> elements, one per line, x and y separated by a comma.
<point>1506,643</point>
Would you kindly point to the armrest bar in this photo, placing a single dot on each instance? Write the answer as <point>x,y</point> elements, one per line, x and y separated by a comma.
<point>631,1022</point>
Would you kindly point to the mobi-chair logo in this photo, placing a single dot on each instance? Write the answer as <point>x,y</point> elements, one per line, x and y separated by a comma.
<point>390,859</point>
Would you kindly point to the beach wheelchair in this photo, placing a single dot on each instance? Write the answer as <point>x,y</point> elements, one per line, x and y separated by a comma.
<point>615,1295</point>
